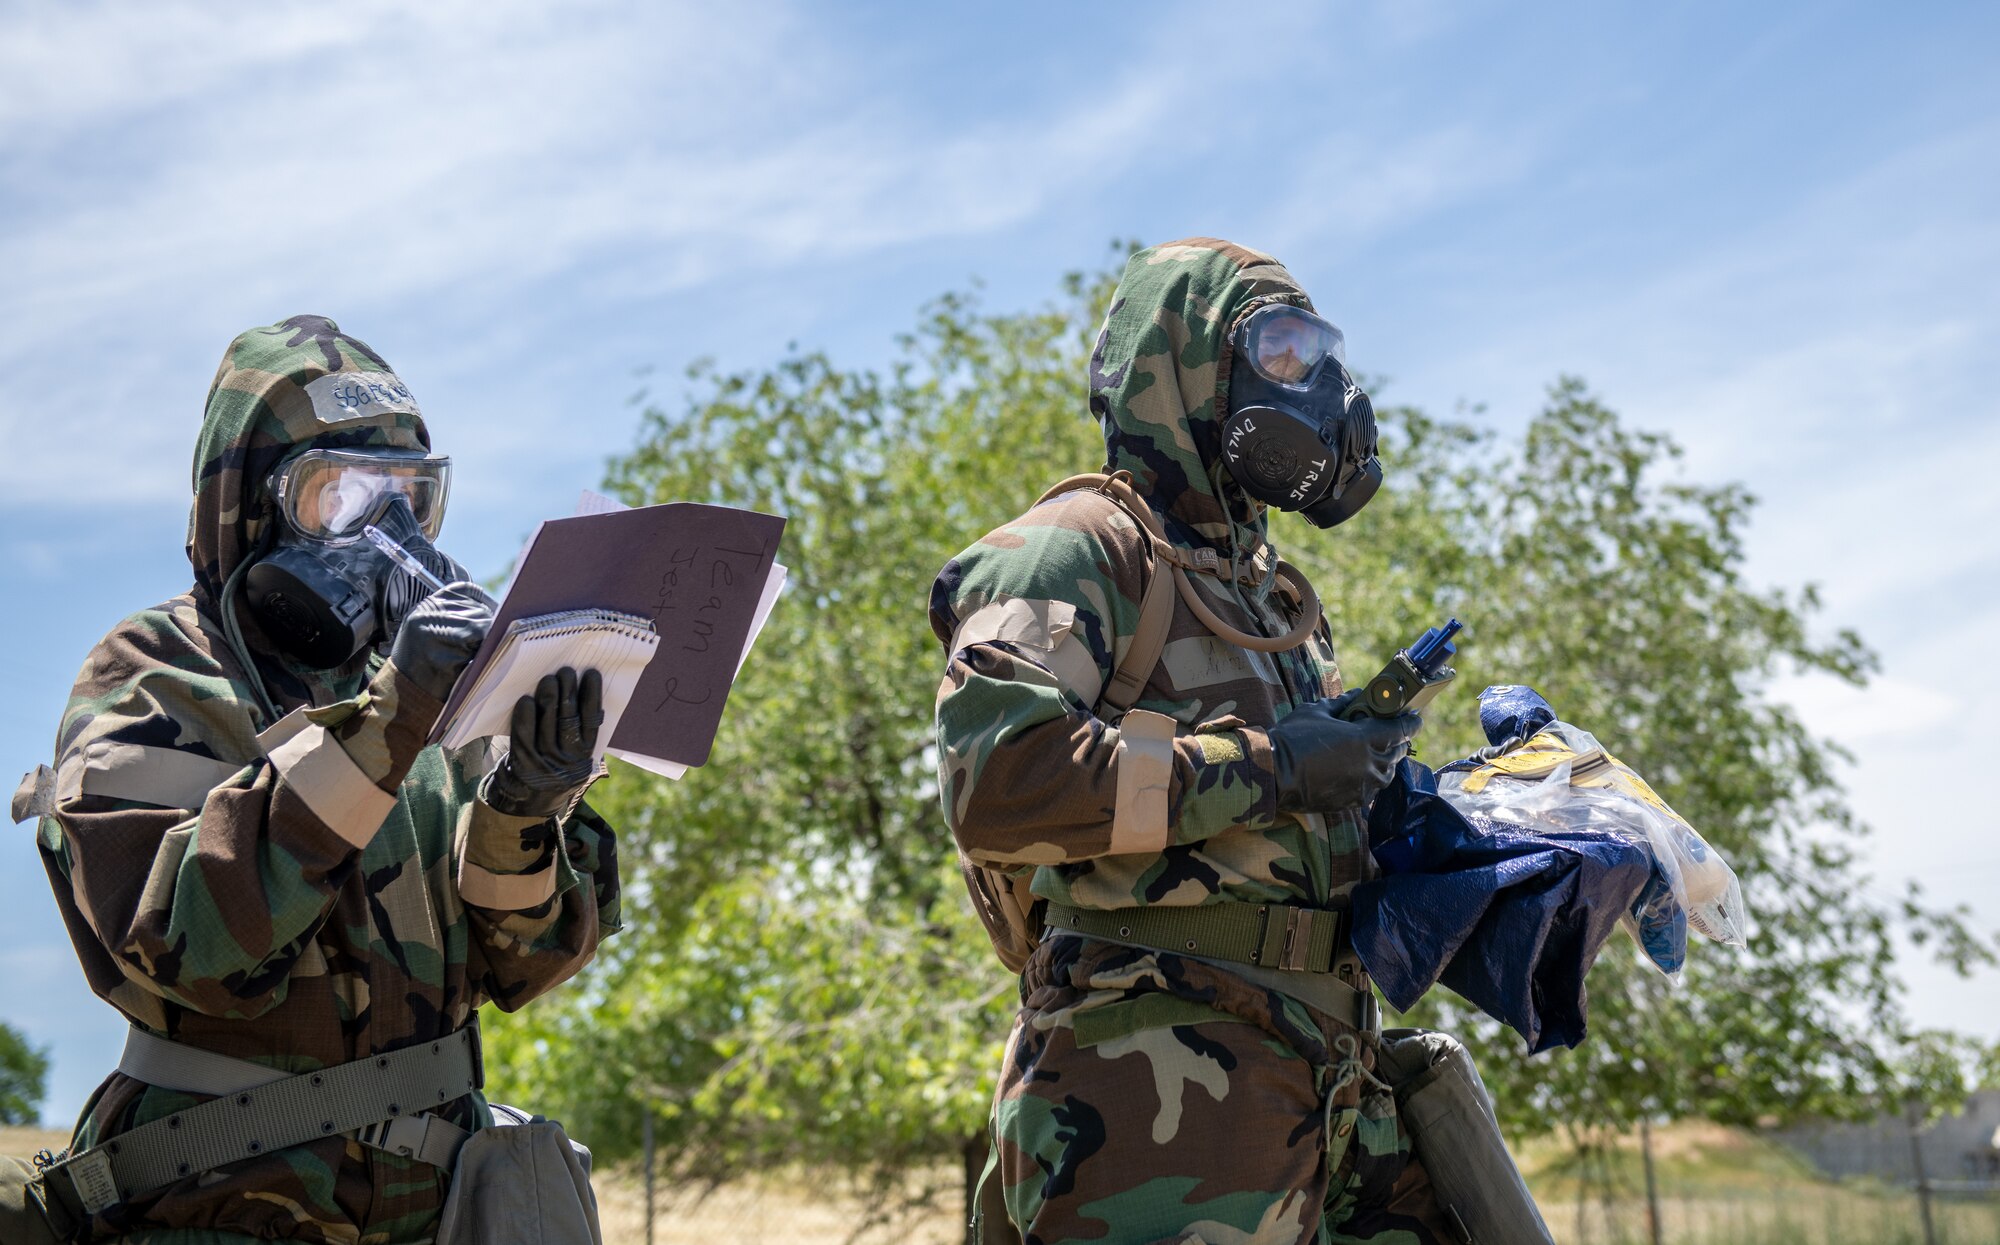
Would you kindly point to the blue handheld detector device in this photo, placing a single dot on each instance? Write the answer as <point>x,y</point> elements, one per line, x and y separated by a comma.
<point>1413,677</point>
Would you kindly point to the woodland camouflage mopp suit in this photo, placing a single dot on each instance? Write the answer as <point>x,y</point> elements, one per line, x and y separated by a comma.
<point>219,899</point>
<point>1150,1096</point>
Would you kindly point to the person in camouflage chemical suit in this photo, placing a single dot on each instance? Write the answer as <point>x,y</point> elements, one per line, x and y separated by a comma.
<point>1148,1096</point>
<point>288,923</point>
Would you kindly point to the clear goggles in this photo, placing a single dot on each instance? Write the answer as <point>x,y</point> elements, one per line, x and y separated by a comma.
<point>330,494</point>
<point>1288,345</point>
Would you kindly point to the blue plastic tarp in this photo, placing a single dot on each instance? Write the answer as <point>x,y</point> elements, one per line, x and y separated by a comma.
<point>1509,916</point>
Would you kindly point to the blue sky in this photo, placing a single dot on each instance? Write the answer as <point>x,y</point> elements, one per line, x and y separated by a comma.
<point>1771,230</point>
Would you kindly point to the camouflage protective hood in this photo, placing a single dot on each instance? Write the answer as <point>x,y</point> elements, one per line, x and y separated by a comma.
<point>1159,381</point>
<point>295,385</point>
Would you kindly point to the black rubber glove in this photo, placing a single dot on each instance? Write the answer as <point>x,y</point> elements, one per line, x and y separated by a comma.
<point>438,639</point>
<point>551,752</point>
<point>402,592</point>
<point>1326,764</point>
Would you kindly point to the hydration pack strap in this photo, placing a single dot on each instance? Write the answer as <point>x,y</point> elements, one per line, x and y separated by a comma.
<point>1156,607</point>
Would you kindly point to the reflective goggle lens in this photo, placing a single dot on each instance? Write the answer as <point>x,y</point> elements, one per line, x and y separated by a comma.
<point>1287,345</point>
<point>330,494</point>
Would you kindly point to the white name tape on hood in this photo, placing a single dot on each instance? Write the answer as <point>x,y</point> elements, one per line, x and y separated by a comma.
<point>344,396</point>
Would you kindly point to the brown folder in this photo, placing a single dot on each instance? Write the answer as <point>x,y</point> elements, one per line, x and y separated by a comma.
<point>695,570</point>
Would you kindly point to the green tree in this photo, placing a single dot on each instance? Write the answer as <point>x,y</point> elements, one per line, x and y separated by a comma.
<point>801,980</point>
<point>23,1078</point>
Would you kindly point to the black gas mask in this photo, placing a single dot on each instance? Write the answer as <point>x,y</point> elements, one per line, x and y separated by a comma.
<point>1300,434</point>
<point>324,592</point>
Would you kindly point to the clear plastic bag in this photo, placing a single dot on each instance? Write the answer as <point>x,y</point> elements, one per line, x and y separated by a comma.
<point>1561,778</point>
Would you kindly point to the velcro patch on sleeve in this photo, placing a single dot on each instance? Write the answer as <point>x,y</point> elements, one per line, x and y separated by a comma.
<point>1145,782</point>
<point>318,769</point>
<point>505,892</point>
<point>1048,628</point>
<point>163,777</point>
<point>1220,747</point>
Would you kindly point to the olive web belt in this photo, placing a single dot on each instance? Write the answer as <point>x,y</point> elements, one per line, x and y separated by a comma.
<point>1269,935</point>
<point>1280,947</point>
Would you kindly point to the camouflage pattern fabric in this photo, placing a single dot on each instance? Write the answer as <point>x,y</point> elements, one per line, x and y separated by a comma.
<point>341,892</point>
<point>1036,615</point>
<point>1156,1098</point>
<point>1223,1118</point>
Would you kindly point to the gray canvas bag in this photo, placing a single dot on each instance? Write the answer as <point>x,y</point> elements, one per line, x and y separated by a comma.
<point>1445,1106</point>
<point>25,1217</point>
<point>521,1182</point>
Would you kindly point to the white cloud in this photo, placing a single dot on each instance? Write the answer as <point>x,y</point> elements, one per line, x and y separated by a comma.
<point>179,170</point>
<point>463,148</point>
<point>64,64</point>
<point>1835,356</point>
<point>1363,180</point>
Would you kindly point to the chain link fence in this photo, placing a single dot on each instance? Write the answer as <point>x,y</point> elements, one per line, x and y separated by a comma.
<point>775,1209</point>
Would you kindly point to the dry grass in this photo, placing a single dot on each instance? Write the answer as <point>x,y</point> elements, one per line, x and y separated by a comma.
<point>803,1210</point>
<point>1722,1185</point>
<point>24,1142</point>
<point>1718,1186</point>
<point>1821,1216</point>
<point>775,1211</point>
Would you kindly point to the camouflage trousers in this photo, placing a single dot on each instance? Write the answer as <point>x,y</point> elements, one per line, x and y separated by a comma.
<point>363,1198</point>
<point>1148,1098</point>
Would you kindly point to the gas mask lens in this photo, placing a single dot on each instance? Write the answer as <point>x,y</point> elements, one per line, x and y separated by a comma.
<point>329,495</point>
<point>1288,345</point>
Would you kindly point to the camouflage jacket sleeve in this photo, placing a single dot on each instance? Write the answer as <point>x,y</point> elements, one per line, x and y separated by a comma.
<point>1033,619</point>
<point>540,894</point>
<point>204,875</point>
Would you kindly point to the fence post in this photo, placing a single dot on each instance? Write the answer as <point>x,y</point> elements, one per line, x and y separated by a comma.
<point>972,1155</point>
<point>646,1140</point>
<point>1923,1179</point>
<point>1652,1189</point>
<point>1582,1196</point>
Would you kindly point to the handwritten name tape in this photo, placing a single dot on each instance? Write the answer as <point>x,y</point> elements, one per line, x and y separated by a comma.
<point>346,396</point>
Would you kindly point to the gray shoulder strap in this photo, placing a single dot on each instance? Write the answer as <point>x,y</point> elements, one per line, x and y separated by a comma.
<point>173,1065</point>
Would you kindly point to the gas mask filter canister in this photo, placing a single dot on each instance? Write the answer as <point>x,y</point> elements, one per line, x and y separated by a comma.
<point>1300,434</point>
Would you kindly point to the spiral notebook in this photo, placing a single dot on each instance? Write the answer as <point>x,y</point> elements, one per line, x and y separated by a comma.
<point>616,645</point>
